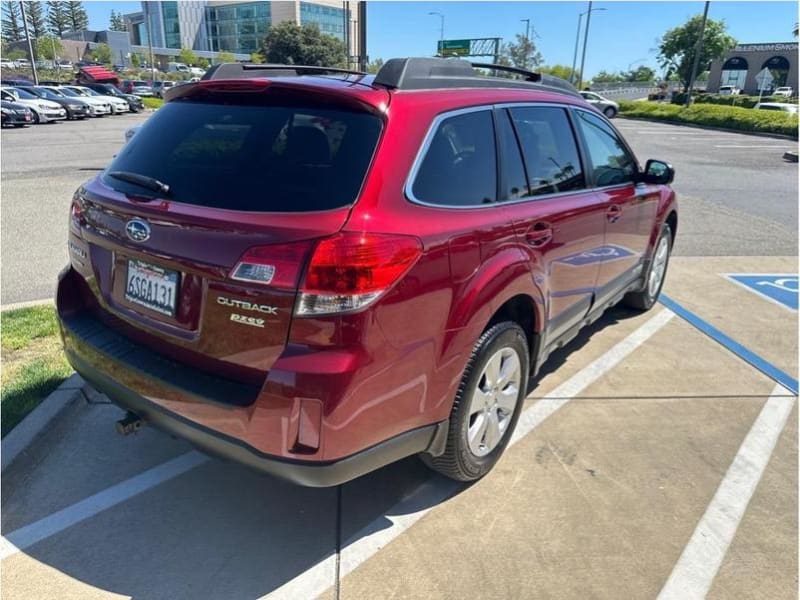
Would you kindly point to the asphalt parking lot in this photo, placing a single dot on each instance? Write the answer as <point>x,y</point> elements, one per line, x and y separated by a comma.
<point>657,454</point>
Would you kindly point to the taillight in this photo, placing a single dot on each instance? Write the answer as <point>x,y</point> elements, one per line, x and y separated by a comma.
<point>278,265</point>
<point>350,270</point>
<point>76,213</point>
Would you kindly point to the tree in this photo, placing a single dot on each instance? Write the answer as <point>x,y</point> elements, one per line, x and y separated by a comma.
<point>49,47</point>
<point>521,54</point>
<point>226,57</point>
<point>257,59</point>
<point>374,66</point>
<point>76,16</point>
<point>677,48</point>
<point>288,43</point>
<point>37,25</point>
<point>608,77</point>
<point>57,18</point>
<point>135,60</point>
<point>641,73</point>
<point>562,71</point>
<point>13,30</point>
<point>202,63</point>
<point>102,53</point>
<point>117,22</point>
<point>187,57</point>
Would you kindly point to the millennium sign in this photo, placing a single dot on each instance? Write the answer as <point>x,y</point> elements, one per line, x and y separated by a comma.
<point>786,47</point>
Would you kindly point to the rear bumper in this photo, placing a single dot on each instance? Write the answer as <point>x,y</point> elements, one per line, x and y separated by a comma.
<point>313,474</point>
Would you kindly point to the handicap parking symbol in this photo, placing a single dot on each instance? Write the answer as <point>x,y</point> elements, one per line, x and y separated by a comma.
<point>778,288</point>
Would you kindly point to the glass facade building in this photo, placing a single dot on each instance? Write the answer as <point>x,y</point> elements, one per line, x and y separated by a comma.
<point>238,27</point>
<point>330,19</point>
<point>172,28</point>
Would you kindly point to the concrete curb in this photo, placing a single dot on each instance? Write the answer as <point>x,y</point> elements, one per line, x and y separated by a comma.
<point>19,438</point>
<point>27,304</point>
<point>777,136</point>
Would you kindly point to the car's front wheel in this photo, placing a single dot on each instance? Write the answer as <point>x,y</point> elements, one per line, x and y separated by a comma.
<point>36,119</point>
<point>487,404</point>
<point>610,112</point>
<point>645,298</point>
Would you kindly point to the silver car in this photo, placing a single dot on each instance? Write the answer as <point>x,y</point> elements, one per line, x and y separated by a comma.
<point>608,107</point>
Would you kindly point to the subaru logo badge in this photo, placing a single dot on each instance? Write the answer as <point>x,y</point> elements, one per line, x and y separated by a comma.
<point>138,230</point>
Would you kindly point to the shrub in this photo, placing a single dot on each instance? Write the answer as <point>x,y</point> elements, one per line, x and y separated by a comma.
<point>153,102</point>
<point>728,117</point>
<point>740,100</point>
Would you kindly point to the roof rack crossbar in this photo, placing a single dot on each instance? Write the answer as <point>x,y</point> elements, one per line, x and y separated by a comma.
<point>250,70</point>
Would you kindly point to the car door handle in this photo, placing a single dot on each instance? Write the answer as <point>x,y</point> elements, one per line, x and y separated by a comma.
<point>613,212</point>
<point>539,234</point>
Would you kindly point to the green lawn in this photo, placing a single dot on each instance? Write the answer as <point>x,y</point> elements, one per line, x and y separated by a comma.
<point>33,363</point>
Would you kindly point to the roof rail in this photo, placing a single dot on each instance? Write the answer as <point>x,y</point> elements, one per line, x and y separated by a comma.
<point>444,73</point>
<point>251,71</point>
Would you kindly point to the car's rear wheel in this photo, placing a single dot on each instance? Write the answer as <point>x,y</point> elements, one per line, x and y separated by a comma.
<point>645,298</point>
<point>610,112</point>
<point>487,404</point>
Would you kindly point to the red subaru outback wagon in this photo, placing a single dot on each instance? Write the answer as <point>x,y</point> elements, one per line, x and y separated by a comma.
<point>317,272</point>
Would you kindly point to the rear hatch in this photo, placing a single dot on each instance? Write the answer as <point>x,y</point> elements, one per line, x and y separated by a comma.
<point>196,236</point>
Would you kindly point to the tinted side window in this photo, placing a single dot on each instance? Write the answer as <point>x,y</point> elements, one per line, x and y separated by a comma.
<point>612,164</point>
<point>460,165</point>
<point>549,148</point>
<point>516,183</point>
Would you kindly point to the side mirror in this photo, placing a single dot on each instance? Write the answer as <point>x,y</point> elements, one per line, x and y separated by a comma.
<point>658,172</point>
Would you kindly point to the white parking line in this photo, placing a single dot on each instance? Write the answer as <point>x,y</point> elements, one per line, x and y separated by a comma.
<point>28,535</point>
<point>697,566</point>
<point>376,535</point>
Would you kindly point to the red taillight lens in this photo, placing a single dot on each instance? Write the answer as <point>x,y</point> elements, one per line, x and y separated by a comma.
<point>278,265</point>
<point>350,270</point>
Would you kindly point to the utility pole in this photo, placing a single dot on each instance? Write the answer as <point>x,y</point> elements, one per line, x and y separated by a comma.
<point>30,45</point>
<point>346,16</point>
<point>441,31</point>
<point>697,52</point>
<point>585,39</point>
<point>362,36</point>
<point>527,40</point>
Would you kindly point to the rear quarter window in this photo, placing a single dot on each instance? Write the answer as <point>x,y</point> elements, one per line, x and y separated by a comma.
<point>252,158</point>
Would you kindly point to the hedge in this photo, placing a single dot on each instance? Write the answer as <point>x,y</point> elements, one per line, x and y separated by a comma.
<point>728,117</point>
<point>740,100</point>
<point>153,102</point>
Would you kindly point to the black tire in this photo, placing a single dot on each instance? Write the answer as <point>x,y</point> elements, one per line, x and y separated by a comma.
<point>458,461</point>
<point>18,125</point>
<point>610,112</point>
<point>643,299</point>
<point>35,117</point>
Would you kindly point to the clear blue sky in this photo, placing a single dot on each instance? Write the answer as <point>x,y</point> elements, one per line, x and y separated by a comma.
<point>625,33</point>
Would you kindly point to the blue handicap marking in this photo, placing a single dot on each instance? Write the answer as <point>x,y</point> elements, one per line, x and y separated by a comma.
<point>779,288</point>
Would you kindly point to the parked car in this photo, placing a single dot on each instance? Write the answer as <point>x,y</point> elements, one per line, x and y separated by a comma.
<point>281,289</point>
<point>784,91</point>
<point>44,111</point>
<point>15,114</point>
<point>729,90</point>
<point>608,107</point>
<point>98,107</point>
<point>137,87</point>
<point>77,108</point>
<point>118,105</point>
<point>134,102</point>
<point>7,64</point>
<point>159,87</point>
<point>790,108</point>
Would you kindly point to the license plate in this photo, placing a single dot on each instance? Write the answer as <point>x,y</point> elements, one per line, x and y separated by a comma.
<point>152,287</point>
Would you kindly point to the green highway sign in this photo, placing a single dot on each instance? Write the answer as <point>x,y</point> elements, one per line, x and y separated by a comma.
<point>454,47</point>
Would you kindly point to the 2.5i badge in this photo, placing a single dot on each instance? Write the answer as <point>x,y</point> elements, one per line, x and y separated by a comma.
<point>244,320</point>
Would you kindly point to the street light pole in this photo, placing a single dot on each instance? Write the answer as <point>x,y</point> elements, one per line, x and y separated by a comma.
<point>697,52</point>
<point>441,31</point>
<point>575,53</point>
<point>30,45</point>
<point>585,39</point>
<point>527,39</point>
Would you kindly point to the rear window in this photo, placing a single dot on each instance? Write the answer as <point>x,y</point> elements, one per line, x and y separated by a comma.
<point>252,158</point>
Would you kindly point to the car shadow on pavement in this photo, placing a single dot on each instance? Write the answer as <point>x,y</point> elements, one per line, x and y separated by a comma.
<point>216,531</point>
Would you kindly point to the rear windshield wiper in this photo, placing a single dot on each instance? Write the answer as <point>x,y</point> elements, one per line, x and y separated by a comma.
<point>144,181</point>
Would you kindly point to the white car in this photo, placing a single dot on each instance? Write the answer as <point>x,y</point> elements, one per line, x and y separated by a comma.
<point>790,108</point>
<point>784,91</point>
<point>118,105</point>
<point>44,111</point>
<point>7,64</point>
<point>729,90</point>
<point>97,106</point>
